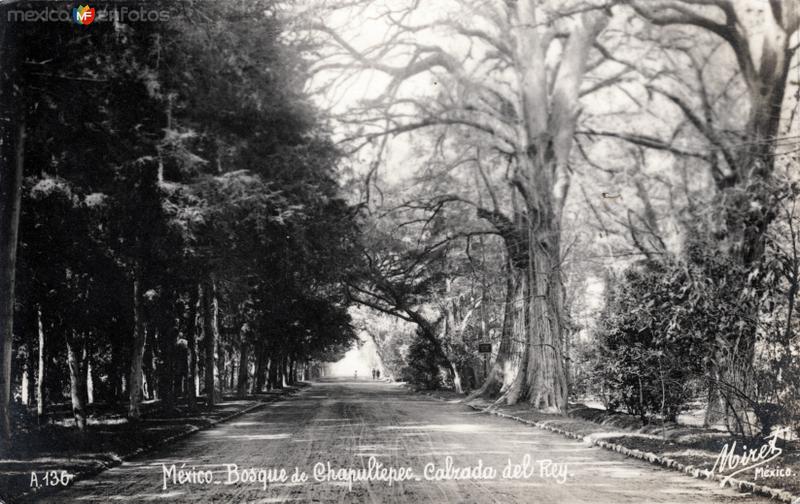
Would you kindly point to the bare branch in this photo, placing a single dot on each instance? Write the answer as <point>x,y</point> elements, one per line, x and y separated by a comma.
<point>644,141</point>
<point>700,125</point>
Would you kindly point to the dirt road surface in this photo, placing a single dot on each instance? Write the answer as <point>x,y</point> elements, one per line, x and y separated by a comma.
<point>345,423</point>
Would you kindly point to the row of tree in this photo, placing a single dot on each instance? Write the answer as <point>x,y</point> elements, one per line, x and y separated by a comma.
<point>171,212</point>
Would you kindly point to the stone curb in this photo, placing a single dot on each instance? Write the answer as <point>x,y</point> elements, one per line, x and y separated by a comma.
<point>690,470</point>
<point>119,460</point>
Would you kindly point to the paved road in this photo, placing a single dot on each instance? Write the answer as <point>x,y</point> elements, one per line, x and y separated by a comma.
<point>346,423</point>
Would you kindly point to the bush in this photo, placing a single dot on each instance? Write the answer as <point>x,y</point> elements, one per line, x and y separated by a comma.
<point>423,369</point>
<point>640,363</point>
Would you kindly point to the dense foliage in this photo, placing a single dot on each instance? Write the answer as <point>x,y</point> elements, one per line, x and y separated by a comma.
<point>181,214</point>
<point>668,324</point>
<point>645,361</point>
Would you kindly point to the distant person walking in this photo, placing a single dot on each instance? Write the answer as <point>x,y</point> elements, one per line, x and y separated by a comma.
<point>373,373</point>
<point>355,374</point>
<point>378,374</point>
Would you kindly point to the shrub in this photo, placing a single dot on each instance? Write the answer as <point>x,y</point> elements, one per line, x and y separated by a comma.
<point>423,368</point>
<point>641,364</point>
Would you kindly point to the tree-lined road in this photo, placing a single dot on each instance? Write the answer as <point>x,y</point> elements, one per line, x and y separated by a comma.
<point>347,422</point>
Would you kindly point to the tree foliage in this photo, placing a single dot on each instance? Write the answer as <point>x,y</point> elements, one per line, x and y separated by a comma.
<point>180,199</point>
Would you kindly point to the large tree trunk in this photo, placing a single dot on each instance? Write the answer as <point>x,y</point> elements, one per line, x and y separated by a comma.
<point>748,202</point>
<point>542,378</point>
<point>137,353</point>
<point>211,341</point>
<point>501,380</point>
<point>191,343</point>
<point>550,108</point>
<point>546,378</point>
<point>505,367</point>
<point>76,361</point>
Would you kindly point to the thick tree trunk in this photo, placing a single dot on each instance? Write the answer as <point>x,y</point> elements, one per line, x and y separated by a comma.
<point>501,381</point>
<point>550,107</point>
<point>210,341</point>
<point>546,377</point>
<point>748,202</point>
<point>505,367</point>
<point>137,353</point>
<point>76,361</point>
<point>542,378</point>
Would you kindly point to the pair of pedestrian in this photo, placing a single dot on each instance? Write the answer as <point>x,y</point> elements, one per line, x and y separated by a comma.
<point>376,374</point>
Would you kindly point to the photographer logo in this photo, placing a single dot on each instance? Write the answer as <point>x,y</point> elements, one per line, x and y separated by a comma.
<point>83,15</point>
